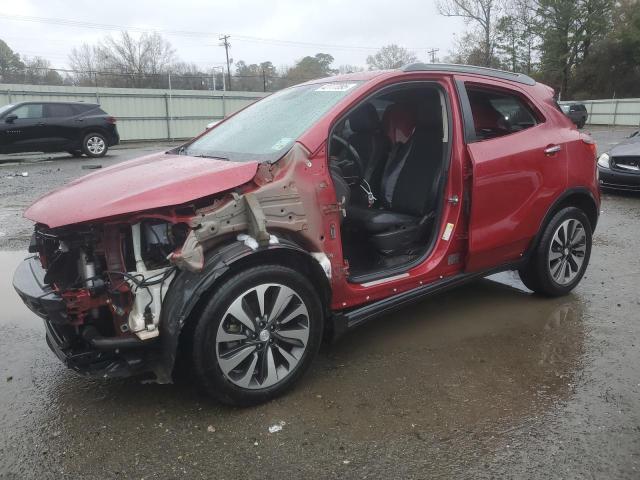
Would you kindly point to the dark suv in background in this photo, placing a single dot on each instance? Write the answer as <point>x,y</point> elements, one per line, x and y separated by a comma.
<point>72,127</point>
<point>577,112</point>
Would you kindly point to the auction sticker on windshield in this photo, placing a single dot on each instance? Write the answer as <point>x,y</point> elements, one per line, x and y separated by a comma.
<point>336,87</point>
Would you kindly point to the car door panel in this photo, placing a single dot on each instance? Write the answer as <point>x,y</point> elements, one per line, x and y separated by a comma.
<point>515,179</point>
<point>24,134</point>
<point>62,127</point>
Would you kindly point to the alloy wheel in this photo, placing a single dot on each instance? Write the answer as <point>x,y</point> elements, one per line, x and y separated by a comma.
<point>95,145</point>
<point>567,251</point>
<point>262,336</point>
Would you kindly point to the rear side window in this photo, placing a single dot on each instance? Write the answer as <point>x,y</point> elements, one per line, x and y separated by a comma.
<point>31,110</point>
<point>496,114</point>
<point>59,110</point>
<point>93,109</point>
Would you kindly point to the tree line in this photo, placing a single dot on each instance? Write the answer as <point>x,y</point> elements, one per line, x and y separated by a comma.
<point>582,48</point>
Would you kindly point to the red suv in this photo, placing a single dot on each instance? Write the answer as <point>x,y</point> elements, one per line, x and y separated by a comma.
<point>307,214</point>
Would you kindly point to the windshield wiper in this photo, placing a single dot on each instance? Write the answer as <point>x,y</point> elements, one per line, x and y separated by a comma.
<point>202,155</point>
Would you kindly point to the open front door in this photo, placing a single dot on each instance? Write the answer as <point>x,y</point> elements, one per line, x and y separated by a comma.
<point>517,170</point>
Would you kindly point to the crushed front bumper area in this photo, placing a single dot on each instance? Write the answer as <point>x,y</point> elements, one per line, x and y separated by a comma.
<point>81,350</point>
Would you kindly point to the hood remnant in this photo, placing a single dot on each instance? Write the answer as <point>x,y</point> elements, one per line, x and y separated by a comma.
<point>155,181</point>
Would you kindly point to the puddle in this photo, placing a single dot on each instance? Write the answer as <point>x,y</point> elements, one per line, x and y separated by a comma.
<point>468,364</point>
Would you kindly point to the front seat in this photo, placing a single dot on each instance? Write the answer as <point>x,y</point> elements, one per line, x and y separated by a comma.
<point>410,180</point>
<point>369,141</point>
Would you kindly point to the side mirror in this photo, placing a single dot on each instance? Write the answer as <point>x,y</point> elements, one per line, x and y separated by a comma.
<point>10,118</point>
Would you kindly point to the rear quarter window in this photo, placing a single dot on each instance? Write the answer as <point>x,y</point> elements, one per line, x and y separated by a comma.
<point>89,109</point>
<point>498,113</point>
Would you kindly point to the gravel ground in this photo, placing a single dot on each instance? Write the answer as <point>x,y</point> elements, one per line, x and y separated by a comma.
<point>486,381</point>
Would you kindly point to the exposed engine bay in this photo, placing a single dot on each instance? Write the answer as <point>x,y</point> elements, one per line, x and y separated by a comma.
<point>111,277</point>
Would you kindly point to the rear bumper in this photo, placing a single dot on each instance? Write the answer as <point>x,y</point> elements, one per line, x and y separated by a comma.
<point>65,340</point>
<point>115,137</point>
<point>615,180</point>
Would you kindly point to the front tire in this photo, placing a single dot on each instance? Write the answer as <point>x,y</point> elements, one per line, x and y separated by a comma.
<point>95,145</point>
<point>257,335</point>
<point>561,257</point>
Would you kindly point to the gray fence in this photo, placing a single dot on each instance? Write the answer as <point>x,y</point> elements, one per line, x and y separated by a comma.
<point>143,114</point>
<point>622,112</point>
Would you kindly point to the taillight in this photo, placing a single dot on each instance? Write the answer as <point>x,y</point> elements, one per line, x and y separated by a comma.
<point>111,120</point>
<point>590,143</point>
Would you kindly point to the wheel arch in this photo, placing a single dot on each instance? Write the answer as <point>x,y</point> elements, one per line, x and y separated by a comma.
<point>579,197</point>
<point>189,290</point>
<point>93,129</point>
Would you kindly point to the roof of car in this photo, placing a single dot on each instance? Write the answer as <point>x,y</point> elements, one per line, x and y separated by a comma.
<point>430,67</point>
<point>456,68</point>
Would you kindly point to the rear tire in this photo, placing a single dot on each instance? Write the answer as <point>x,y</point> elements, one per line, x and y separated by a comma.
<point>257,335</point>
<point>561,257</point>
<point>95,145</point>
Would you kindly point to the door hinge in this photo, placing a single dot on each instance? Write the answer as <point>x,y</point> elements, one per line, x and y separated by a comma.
<point>454,200</point>
<point>334,208</point>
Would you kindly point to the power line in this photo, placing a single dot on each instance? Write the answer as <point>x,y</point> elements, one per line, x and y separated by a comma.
<point>181,33</point>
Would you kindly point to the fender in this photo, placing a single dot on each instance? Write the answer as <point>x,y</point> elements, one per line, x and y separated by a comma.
<point>581,192</point>
<point>188,288</point>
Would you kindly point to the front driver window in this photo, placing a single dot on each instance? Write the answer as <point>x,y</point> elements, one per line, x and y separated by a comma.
<point>32,110</point>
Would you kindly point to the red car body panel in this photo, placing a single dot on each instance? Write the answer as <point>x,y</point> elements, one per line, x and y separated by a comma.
<point>509,180</point>
<point>145,183</point>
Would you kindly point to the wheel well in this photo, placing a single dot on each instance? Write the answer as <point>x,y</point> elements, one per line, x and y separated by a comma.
<point>584,202</point>
<point>297,260</point>
<point>90,130</point>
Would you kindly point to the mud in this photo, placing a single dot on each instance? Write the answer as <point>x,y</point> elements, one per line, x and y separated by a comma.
<point>486,381</point>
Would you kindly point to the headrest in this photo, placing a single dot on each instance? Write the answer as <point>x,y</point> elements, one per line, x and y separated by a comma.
<point>484,114</point>
<point>429,112</point>
<point>364,119</point>
<point>399,123</point>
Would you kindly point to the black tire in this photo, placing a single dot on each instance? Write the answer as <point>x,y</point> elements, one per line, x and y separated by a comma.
<point>95,145</point>
<point>75,153</point>
<point>204,356</point>
<point>538,273</point>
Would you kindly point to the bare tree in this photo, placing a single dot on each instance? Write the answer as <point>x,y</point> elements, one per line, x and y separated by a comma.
<point>148,54</point>
<point>84,63</point>
<point>390,56</point>
<point>482,14</point>
<point>134,60</point>
<point>38,71</point>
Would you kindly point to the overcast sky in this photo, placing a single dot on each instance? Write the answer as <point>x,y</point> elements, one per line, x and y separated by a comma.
<point>354,28</point>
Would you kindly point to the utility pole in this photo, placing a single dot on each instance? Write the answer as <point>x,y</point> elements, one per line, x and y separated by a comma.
<point>264,80</point>
<point>225,42</point>
<point>432,53</point>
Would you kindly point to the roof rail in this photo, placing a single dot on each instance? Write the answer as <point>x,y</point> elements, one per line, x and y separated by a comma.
<point>457,68</point>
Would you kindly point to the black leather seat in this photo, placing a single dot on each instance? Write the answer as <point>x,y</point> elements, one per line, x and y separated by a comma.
<point>369,141</point>
<point>410,179</point>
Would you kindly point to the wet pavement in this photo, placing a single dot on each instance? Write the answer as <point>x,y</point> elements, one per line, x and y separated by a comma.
<point>486,381</point>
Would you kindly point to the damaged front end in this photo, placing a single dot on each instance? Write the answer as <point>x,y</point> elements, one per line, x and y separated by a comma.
<point>99,289</point>
<point>116,294</point>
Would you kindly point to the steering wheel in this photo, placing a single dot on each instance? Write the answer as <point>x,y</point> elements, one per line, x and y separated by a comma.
<point>351,150</point>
